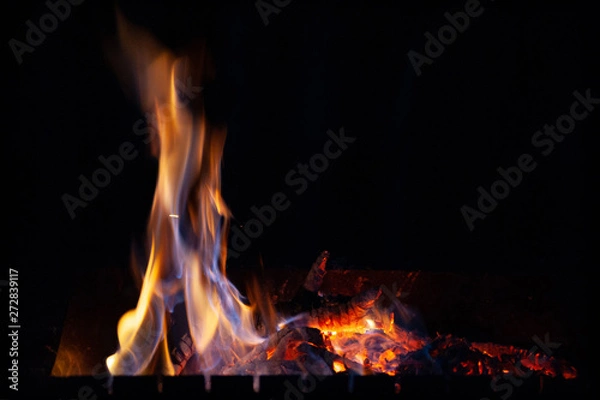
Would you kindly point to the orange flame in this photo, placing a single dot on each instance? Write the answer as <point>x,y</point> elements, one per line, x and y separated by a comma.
<point>187,228</point>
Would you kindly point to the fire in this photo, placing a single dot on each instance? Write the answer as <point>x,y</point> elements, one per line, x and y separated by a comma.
<point>187,230</point>
<point>188,311</point>
<point>369,344</point>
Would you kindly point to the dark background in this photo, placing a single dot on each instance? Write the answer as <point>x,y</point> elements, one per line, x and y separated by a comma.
<point>391,201</point>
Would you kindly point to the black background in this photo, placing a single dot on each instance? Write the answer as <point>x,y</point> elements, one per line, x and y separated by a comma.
<point>391,201</point>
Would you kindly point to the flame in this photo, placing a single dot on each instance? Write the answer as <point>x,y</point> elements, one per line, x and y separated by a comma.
<point>187,228</point>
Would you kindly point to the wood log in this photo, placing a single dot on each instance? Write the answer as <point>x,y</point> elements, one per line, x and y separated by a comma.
<point>307,297</point>
<point>311,316</point>
<point>292,351</point>
<point>314,279</point>
<point>179,340</point>
<point>267,349</point>
<point>341,316</point>
<point>344,315</point>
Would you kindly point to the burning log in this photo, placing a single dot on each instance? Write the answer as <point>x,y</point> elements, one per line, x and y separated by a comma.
<point>292,351</point>
<point>278,341</point>
<point>307,297</point>
<point>344,315</point>
<point>180,343</point>
<point>314,279</point>
<point>330,358</point>
<point>311,317</point>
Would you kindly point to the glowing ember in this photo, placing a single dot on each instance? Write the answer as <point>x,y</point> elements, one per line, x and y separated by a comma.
<point>339,366</point>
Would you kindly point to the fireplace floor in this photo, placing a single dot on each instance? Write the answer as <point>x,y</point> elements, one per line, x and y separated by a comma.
<point>487,308</point>
<point>311,387</point>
